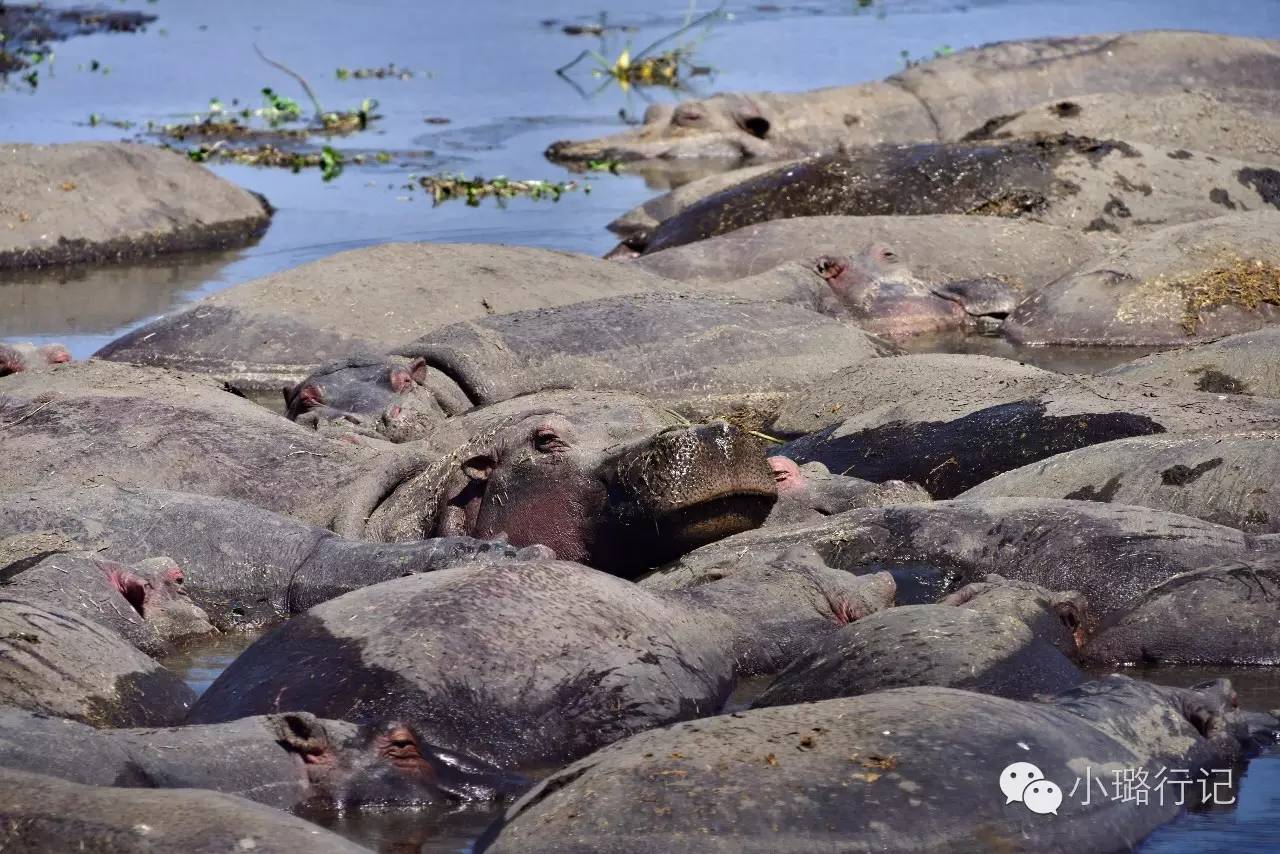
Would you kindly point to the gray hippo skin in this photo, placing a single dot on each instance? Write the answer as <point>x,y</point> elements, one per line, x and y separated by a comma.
<point>56,662</point>
<point>1180,285</point>
<point>1110,553</point>
<point>243,567</point>
<point>1223,476</point>
<point>23,357</point>
<point>898,381</point>
<point>531,665</point>
<point>938,100</point>
<point>609,465</point>
<point>1080,182</point>
<point>911,768</point>
<point>40,814</point>
<point>1221,615</point>
<point>145,603</point>
<point>644,218</point>
<point>1058,618</point>
<point>938,249</point>
<point>1248,363</point>
<point>925,645</point>
<point>811,491</point>
<point>1239,123</point>
<point>956,439</point>
<point>291,761</point>
<point>275,330</point>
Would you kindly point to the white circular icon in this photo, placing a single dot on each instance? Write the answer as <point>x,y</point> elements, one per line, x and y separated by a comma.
<point>1014,779</point>
<point>1042,797</point>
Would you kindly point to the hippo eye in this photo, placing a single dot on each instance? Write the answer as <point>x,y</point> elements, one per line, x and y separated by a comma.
<point>686,116</point>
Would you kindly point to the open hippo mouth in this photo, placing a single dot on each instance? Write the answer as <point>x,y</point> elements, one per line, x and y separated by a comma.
<point>689,486</point>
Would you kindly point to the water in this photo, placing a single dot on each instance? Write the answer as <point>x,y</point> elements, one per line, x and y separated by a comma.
<point>491,74</point>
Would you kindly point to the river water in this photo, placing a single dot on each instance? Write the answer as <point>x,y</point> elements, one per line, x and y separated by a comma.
<point>487,67</point>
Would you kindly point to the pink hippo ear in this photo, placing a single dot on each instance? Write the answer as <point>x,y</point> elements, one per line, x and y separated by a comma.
<point>830,267</point>
<point>131,586</point>
<point>305,735</point>
<point>400,380</point>
<point>418,370</point>
<point>310,395</point>
<point>55,354</point>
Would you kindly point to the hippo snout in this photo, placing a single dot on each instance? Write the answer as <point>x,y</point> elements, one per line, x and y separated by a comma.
<point>688,486</point>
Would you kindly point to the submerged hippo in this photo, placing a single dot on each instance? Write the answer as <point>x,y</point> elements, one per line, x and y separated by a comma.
<point>1079,182</point>
<point>915,768</point>
<point>591,475</point>
<point>47,814</point>
<point>811,491</point>
<point>1111,553</point>
<point>937,248</point>
<point>56,662</point>
<point>1248,363</point>
<point>274,330</point>
<point>925,645</point>
<point>1184,620</point>
<point>534,664</point>
<point>938,100</point>
<point>289,761</point>
<point>957,439</point>
<point>1225,476</point>
<point>146,603</point>
<point>1239,123</point>
<point>274,566</point>
<point>1180,285</point>
<point>22,357</point>
<point>706,356</point>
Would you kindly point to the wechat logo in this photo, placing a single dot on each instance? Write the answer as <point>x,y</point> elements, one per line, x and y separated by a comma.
<point>1025,783</point>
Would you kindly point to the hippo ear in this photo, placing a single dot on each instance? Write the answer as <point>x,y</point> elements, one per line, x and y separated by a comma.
<point>1071,614</point>
<point>309,394</point>
<point>829,267</point>
<point>400,380</point>
<point>418,370</point>
<point>302,733</point>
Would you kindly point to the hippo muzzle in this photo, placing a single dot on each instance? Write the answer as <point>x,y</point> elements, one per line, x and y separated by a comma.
<point>688,486</point>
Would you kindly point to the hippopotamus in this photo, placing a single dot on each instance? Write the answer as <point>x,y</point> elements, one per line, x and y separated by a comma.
<point>590,475</point>
<point>56,662</point>
<point>876,289</point>
<point>919,768</point>
<point>1057,618</point>
<point>925,645</point>
<point>896,381</point>
<point>1179,285</point>
<point>275,330</point>
<point>1237,123</point>
<point>146,603</point>
<point>1077,182</point>
<point>47,814</point>
<point>291,761</point>
<point>1110,553</point>
<point>954,440</point>
<point>1226,476</point>
<point>703,356</point>
<point>937,100</point>
<point>1220,615</point>
<point>937,249</point>
<point>811,491</point>
<point>22,357</point>
<point>639,221</point>
<point>274,566</point>
<point>529,665</point>
<point>1248,363</point>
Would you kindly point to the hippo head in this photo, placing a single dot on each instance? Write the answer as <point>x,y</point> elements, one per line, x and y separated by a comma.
<point>722,127</point>
<point>811,491</point>
<point>371,395</point>
<point>599,482</point>
<point>386,765</point>
<point>877,288</point>
<point>154,589</point>
<point>1058,618</point>
<point>20,357</point>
